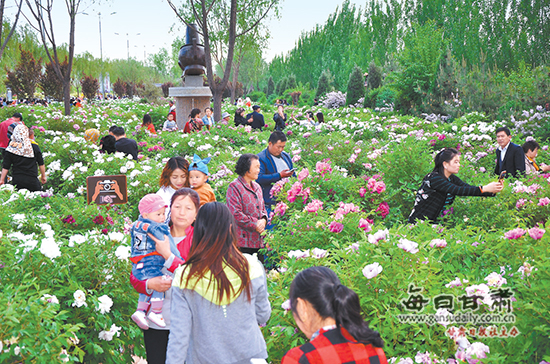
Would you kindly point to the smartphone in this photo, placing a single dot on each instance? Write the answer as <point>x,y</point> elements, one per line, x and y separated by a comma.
<point>502,175</point>
<point>292,170</point>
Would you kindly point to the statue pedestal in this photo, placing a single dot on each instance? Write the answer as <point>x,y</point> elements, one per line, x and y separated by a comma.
<point>192,95</point>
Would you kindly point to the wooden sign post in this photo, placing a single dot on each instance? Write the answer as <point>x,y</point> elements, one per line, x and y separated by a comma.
<point>106,190</point>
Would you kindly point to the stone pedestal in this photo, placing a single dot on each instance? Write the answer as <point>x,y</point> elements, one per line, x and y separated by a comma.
<point>192,95</point>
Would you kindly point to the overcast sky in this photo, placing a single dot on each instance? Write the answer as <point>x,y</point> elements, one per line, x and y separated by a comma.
<point>147,26</point>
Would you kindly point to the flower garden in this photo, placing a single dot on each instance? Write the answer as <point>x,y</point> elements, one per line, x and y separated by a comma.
<point>64,264</point>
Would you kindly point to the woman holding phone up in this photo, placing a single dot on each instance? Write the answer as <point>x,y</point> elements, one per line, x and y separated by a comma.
<point>439,188</point>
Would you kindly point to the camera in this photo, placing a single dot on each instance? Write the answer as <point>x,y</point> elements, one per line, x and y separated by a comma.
<point>107,184</point>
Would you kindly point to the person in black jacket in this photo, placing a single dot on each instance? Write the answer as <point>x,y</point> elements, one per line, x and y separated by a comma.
<point>123,144</point>
<point>239,117</point>
<point>510,156</point>
<point>279,118</point>
<point>439,188</point>
<point>255,119</point>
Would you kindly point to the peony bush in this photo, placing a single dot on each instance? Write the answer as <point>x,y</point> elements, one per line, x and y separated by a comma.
<point>64,264</point>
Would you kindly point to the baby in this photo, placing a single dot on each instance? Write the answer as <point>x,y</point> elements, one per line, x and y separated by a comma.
<point>198,175</point>
<point>170,124</point>
<point>147,262</point>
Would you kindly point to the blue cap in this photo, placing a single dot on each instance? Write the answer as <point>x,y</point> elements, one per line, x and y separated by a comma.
<point>200,164</point>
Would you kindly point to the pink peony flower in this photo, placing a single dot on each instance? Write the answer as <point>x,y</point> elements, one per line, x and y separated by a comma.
<point>298,254</point>
<point>383,209</point>
<point>362,191</point>
<point>330,148</point>
<point>277,187</point>
<point>438,243</point>
<point>408,246</point>
<point>353,247</point>
<point>280,209</point>
<point>495,280</point>
<point>372,270</point>
<point>294,191</point>
<point>296,158</point>
<point>379,235</point>
<point>544,201</point>
<point>248,128</point>
<point>514,234</point>
<point>314,206</point>
<point>336,227</point>
<point>456,282</point>
<point>304,173</point>
<point>521,202</point>
<point>286,305</point>
<point>76,127</point>
<point>318,253</point>
<point>323,167</point>
<point>536,233</point>
<point>476,351</point>
<point>367,165</point>
<point>364,224</point>
<point>352,158</point>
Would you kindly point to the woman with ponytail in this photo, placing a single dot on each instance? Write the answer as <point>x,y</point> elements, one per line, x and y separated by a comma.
<point>329,314</point>
<point>439,188</point>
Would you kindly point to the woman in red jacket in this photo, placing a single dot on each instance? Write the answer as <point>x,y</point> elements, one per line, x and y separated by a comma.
<point>329,314</point>
<point>183,211</point>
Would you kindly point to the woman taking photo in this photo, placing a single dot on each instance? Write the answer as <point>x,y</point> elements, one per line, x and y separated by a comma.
<point>280,118</point>
<point>219,297</point>
<point>329,314</point>
<point>245,201</point>
<point>183,211</point>
<point>175,175</point>
<point>439,188</point>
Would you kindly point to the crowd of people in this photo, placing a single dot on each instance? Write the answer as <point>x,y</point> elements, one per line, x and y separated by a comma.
<point>196,262</point>
<point>197,269</point>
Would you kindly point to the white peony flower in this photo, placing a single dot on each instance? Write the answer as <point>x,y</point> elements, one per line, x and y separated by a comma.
<point>108,335</point>
<point>79,299</point>
<point>122,252</point>
<point>78,239</point>
<point>105,304</point>
<point>50,298</point>
<point>50,248</point>
<point>372,270</point>
<point>116,236</point>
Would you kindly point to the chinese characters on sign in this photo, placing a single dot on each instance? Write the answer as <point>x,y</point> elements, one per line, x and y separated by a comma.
<point>451,309</point>
<point>501,300</point>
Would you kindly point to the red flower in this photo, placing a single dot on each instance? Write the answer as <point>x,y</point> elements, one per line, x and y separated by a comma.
<point>99,220</point>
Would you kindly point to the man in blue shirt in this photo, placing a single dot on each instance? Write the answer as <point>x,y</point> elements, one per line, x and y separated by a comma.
<point>275,164</point>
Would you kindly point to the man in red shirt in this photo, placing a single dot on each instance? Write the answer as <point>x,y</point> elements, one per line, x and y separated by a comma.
<point>4,140</point>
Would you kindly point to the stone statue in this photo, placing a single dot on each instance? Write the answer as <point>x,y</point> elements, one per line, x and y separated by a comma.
<point>191,58</point>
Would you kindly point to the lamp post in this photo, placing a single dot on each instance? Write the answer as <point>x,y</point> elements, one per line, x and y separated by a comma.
<point>102,77</point>
<point>128,44</point>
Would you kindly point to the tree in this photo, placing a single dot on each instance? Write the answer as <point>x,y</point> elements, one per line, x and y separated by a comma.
<point>374,79</point>
<point>43,16</point>
<point>166,88</point>
<point>90,87</point>
<point>324,84</point>
<point>119,87</point>
<point>291,82</point>
<point>4,43</point>
<point>130,89</point>
<point>50,83</point>
<point>24,79</point>
<point>220,23</point>
<point>356,86</point>
<point>281,86</point>
<point>270,86</point>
